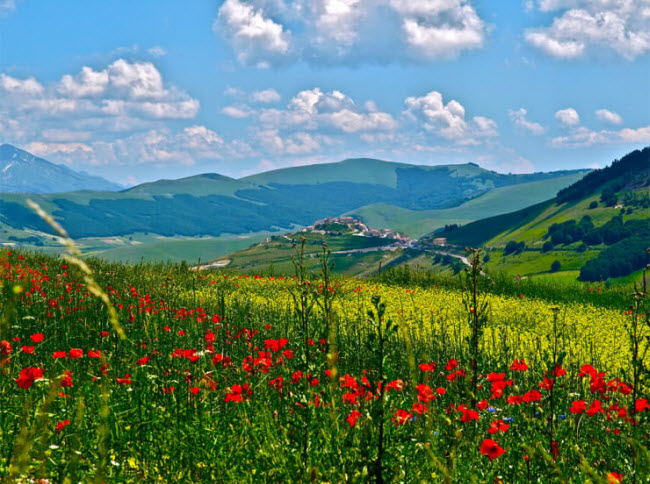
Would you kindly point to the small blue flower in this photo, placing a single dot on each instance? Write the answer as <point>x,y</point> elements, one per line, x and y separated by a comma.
<point>507,419</point>
<point>562,417</point>
<point>491,409</point>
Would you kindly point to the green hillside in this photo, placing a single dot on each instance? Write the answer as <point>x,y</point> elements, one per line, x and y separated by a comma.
<point>596,228</point>
<point>212,205</point>
<point>501,200</point>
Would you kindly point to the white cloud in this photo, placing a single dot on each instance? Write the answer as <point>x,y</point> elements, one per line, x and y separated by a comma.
<point>123,89</point>
<point>518,117</point>
<point>640,135</point>
<point>65,135</point>
<point>608,116</point>
<point>7,6</point>
<point>266,96</point>
<point>587,25</point>
<point>42,149</point>
<point>256,38</point>
<point>268,32</point>
<point>87,83</point>
<point>313,108</point>
<point>448,120</point>
<point>157,51</point>
<point>440,29</point>
<point>28,87</point>
<point>568,117</point>
<point>238,112</point>
<point>584,137</point>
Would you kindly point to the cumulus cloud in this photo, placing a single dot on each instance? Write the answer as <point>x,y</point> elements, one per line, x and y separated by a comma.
<point>568,117</point>
<point>518,117</point>
<point>27,87</point>
<point>608,116</point>
<point>584,137</point>
<point>267,96</point>
<point>125,90</point>
<point>448,120</point>
<point>313,108</point>
<point>237,112</point>
<point>256,38</point>
<point>582,26</point>
<point>265,32</point>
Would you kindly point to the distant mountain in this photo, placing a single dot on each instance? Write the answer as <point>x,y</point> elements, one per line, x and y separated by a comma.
<point>599,225</point>
<point>216,205</point>
<point>22,172</point>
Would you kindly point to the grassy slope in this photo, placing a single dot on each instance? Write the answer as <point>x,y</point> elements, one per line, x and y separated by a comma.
<point>175,250</point>
<point>498,201</point>
<point>358,170</point>
<point>279,251</point>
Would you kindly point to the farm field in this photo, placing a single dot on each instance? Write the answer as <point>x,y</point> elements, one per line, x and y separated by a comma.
<point>223,377</point>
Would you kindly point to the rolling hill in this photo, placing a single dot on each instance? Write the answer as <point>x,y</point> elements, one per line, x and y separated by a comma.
<point>22,172</point>
<point>596,228</point>
<point>212,205</point>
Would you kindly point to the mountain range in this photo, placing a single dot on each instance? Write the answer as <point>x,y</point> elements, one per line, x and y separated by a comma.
<point>595,229</point>
<point>213,205</point>
<point>22,172</point>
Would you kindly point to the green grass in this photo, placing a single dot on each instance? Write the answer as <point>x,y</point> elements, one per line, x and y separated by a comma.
<point>498,201</point>
<point>535,262</point>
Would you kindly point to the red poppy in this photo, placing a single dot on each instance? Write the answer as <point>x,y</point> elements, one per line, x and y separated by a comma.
<point>37,337</point>
<point>94,354</point>
<point>614,478</point>
<point>498,426</point>
<point>419,408</point>
<point>143,361</point>
<point>425,393</point>
<point>5,347</point>
<point>66,381</point>
<point>277,383</point>
<point>547,384</point>
<point>28,376</point>
<point>491,448</point>
<point>352,418</point>
<point>532,396</point>
<point>595,408</point>
<point>451,365</point>
<point>60,425</point>
<point>126,380</point>
<point>519,365</point>
<point>468,414</point>
<point>195,390</point>
<point>428,366</point>
<point>397,385</point>
<point>641,405</point>
<point>28,349</point>
<point>76,353</point>
<point>59,354</point>
<point>578,406</point>
<point>401,417</point>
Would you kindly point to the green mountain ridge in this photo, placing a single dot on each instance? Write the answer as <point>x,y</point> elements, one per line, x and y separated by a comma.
<point>598,226</point>
<point>214,205</point>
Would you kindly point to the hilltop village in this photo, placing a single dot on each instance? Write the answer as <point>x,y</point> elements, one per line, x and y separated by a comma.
<point>350,225</point>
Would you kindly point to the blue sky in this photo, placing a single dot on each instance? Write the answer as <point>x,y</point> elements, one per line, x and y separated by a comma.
<point>137,91</point>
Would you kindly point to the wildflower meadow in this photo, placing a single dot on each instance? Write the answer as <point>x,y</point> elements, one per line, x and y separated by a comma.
<point>158,373</point>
